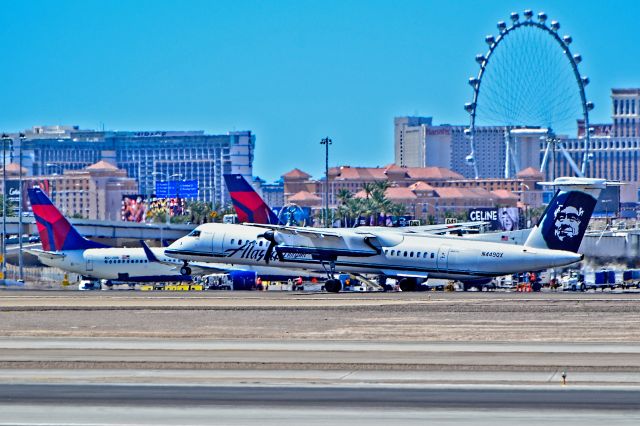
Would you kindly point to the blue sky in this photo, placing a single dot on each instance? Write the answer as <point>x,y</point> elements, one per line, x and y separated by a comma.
<point>290,71</point>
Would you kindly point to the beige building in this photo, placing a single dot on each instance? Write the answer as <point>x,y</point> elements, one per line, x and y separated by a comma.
<point>424,191</point>
<point>94,192</point>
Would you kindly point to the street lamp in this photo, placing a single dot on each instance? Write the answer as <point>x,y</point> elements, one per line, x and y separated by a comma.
<point>50,165</point>
<point>5,137</point>
<point>326,142</point>
<point>22,137</point>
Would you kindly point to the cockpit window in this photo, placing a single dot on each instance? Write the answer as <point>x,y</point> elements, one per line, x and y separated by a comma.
<point>194,233</point>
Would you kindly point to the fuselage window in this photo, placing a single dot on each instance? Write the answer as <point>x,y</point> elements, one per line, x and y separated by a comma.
<point>393,252</point>
<point>405,254</point>
<point>233,240</point>
<point>433,255</point>
<point>260,243</point>
<point>410,254</point>
<point>239,242</point>
<point>385,252</point>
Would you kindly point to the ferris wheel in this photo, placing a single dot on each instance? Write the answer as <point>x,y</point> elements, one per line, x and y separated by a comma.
<point>529,81</point>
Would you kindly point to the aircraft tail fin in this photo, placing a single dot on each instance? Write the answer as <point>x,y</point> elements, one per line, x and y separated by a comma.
<point>56,232</point>
<point>564,223</point>
<point>147,251</point>
<point>249,206</point>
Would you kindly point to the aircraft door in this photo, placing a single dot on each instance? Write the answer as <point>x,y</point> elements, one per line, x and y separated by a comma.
<point>217,239</point>
<point>89,265</point>
<point>443,258</point>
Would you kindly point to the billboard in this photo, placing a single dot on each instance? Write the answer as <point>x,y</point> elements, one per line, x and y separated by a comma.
<point>608,202</point>
<point>12,193</point>
<point>177,189</point>
<point>134,208</point>
<point>500,219</point>
<point>175,206</point>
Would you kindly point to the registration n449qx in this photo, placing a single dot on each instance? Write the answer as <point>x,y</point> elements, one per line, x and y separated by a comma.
<point>553,242</point>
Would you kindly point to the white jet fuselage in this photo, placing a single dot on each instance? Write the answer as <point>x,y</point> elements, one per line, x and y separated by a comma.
<point>397,254</point>
<point>114,263</point>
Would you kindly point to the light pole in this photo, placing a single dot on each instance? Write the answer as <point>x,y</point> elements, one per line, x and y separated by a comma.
<point>50,165</point>
<point>20,203</point>
<point>5,137</point>
<point>526,205</point>
<point>326,142</point>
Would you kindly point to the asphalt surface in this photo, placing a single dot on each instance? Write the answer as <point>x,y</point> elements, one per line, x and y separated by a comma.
<point>317,397</point>
<point>136,358</point>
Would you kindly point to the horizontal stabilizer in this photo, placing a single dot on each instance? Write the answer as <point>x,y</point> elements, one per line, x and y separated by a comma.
<point>44,254</point>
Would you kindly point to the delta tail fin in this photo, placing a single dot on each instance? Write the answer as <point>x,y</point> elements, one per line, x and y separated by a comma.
<point>249,206</point>
<point>564,222</point>
<point>56,232</point>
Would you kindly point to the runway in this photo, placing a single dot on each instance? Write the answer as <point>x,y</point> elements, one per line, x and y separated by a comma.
<point>312,405</point>
<point>319,396</point>
<point>107,358</point>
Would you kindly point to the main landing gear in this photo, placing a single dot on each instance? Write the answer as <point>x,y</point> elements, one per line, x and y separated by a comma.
<point>332,285</point>
<point>408,284</point>
<point>185,270</point>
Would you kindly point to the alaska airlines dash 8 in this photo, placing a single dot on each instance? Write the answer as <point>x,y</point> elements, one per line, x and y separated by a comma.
<point>553,242</point>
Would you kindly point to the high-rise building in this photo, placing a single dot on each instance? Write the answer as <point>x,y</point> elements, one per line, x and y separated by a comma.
<point>409,134</point>
<point>147,157</point>
<point>626,112</point>
<point>419,143</point>
<point>614,148</point>
<point>94,192</point>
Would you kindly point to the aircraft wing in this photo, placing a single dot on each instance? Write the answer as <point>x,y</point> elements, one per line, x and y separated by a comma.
<point>328,243</point>
<point>435,229</point>
<point>52,255</point>
<point>302,231</point>
<point>200,268</point>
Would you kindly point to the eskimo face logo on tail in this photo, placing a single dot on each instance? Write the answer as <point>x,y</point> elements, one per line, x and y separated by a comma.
<point>567,219</point>
<point>567,222</point>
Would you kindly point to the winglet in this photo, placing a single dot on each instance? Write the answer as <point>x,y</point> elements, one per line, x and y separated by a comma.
<point>147,251</point>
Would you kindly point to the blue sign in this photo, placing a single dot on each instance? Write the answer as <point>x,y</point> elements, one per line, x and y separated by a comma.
<point>177,189</point>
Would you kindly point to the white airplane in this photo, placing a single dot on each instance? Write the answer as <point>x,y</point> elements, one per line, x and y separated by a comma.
<point>64,248</point>
<point>553,242</point>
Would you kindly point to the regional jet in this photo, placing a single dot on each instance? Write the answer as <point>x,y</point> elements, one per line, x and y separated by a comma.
<point>63,247</point>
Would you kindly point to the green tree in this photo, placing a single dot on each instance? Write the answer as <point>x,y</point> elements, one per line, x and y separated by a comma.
<point>8,206</point>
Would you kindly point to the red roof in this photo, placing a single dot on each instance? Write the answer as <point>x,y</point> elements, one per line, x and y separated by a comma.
<point>304,196</point>
<point>426,173</point>
<point>421,186</point>
<point>400,194</point>
<point>530,172</point>
<point>102,165</point>
<point>504,194</point>
<point>357,173</point>
<point>296,174</point>
<point>449,192</point>
<point>15,168</point>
